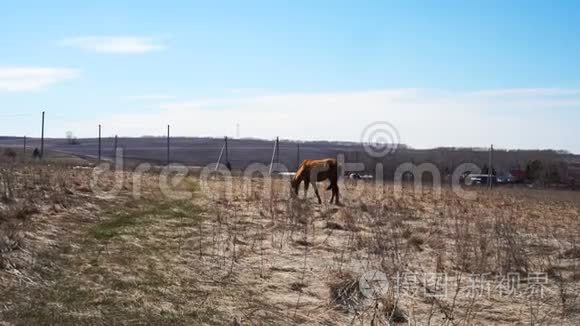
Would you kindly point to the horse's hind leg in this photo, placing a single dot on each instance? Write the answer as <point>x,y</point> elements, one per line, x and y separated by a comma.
<point>335,194</point>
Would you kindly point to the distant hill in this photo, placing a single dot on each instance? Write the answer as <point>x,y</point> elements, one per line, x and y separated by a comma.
<point>242,152</point>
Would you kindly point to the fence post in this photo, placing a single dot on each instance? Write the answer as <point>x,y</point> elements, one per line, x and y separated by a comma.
<point>297,156</point>
<point>220,157</point>
<point>99,152</point>
<point>278,151</point>
<point>24,149</point>
<point>490,169</point>
<point>227,154</point>
<point>273,156</point>
<point>168,144</point>
<point>42,137</point>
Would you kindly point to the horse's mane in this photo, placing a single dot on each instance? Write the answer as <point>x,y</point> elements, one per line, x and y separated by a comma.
<point>300,171</point>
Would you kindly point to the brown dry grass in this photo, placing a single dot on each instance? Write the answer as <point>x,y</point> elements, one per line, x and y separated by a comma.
<point>260,258</point>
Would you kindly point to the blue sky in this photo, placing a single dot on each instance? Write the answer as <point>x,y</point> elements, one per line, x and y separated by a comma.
<point>427,67</point>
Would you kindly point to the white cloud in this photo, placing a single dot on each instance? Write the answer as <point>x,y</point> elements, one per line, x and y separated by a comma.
<point>115,44</point>
<point>528,92</point>
<point>423,118</point>
<point>15,79</point>
<point>149,97</point>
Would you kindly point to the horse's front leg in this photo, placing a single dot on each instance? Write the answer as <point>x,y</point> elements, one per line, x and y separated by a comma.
<point>306,184</point>
<point>316,192</point>
<point>333,195</point>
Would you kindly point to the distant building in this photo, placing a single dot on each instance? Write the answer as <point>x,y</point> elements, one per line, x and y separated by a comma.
<point>517,175</point>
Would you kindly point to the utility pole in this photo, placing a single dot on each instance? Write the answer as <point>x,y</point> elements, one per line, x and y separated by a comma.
<point>99,143</point>
<point>168,143</point>
<point>42,137</point>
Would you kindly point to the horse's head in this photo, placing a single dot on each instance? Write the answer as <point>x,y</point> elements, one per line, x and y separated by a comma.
<point>294,183</point>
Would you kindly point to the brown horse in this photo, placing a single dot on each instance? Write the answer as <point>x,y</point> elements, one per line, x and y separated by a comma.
<point>312,171</point>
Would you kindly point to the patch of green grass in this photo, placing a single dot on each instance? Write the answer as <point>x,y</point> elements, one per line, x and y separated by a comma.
<point>115,225</point>
<point>142,213</point>
<point>69,305</point>
<point>176,209</point>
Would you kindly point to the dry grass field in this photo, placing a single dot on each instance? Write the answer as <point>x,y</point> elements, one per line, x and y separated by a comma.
<point>256,256</point>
